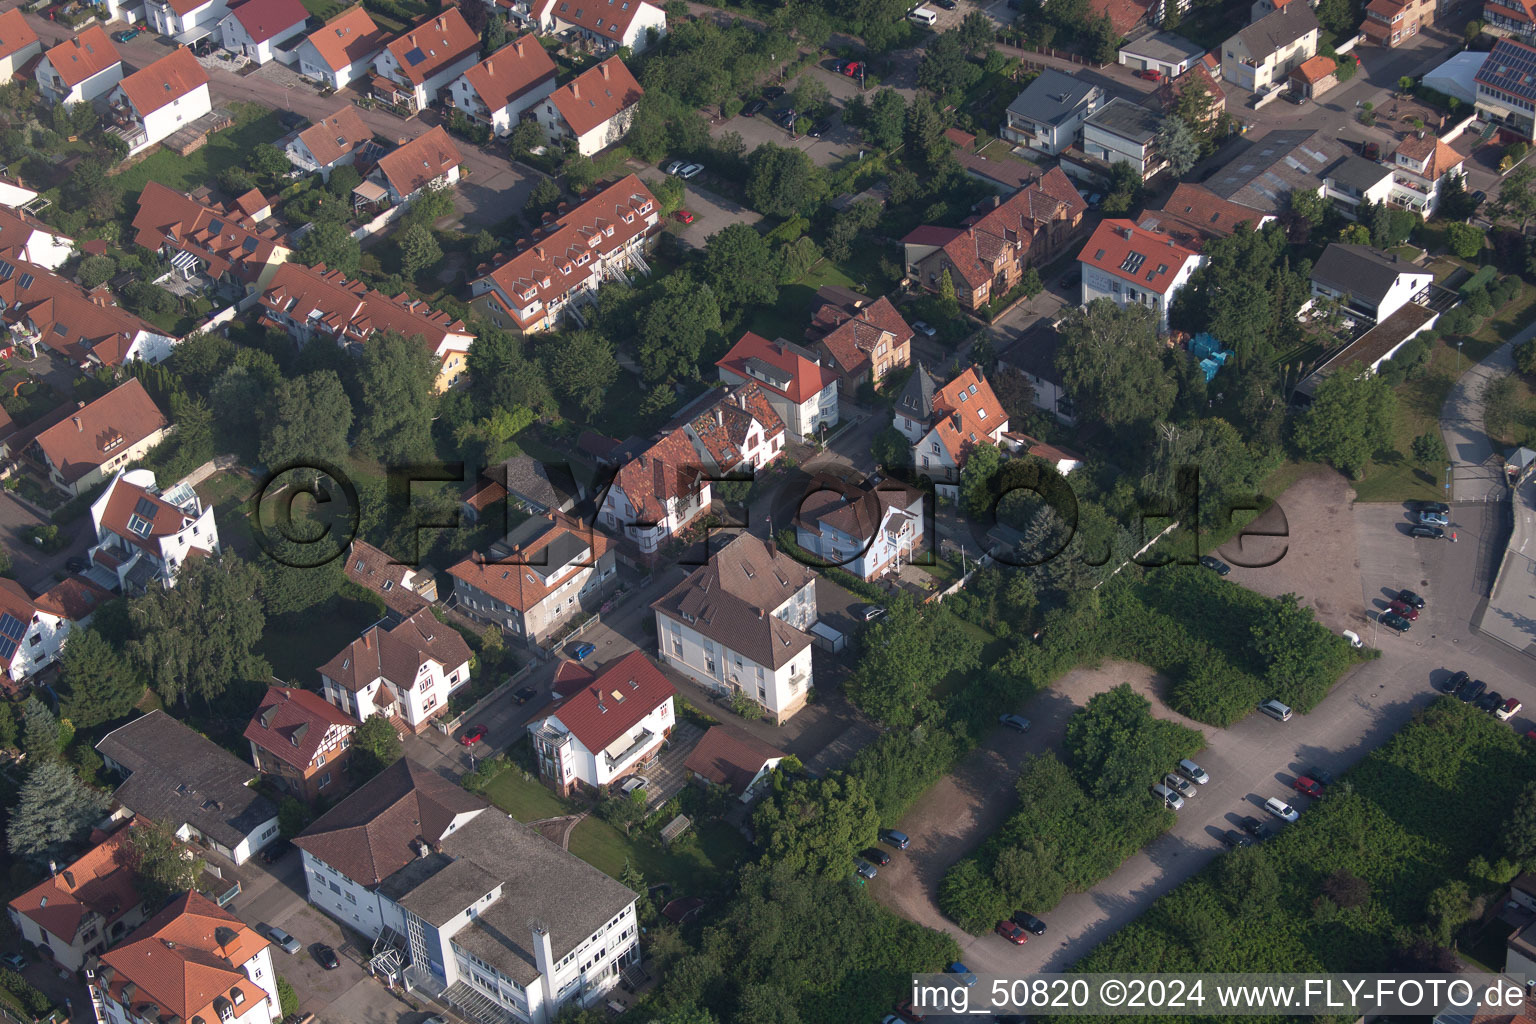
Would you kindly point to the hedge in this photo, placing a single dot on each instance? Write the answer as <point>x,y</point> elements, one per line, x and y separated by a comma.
<point>31,1001</point>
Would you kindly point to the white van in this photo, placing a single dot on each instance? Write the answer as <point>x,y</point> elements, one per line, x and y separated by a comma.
<point>1280,809</point>
<point>923,16</point>
<point>1276,710</point>
<point>633,783</point>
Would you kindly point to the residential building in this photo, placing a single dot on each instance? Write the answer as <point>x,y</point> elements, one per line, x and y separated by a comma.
<point>1033,353</point>
<point>1135,266</point>
<point>568,258</point>
<point>1121,132</point>
<point>741,624</point>
<point>189,784</point>
<point>1203,77</point>
<point>1048,115</point>
<point>607,24</point>
<point>1369,282</point>
<point>188,21</point>
<point>404,670</point>
<point>82,909</point>
<point>1167,53</point>
<point>734,759</point>
<point>256,28</point>
<point>526,482</point>
<point>1126,16</point>
<point>867,529</point>
<point>404,590</point>
<point>312,302</point>
<point>862,341</point>
<point>428,162</point>
<point>1262,173</point>
<point>735,432</point>
<point>1061,460</point>
<point>143,536</point>
<point>799,386</point>
<point>1194,215</point>
<point>595,108</point>
<point>91,441</point>
<point>548,571</point>
<point>1512,17</point>
<point>343,50</point>
<point>945,423</point>
<point>18,43</point>
<point>1315,76</point>
<point>465,902</point>
<point>336,140</point>
<point>25,239</point>
<point>79,70</point>
<point>301,743</point>
<point>656,495</point>
<point>1356,180</point>
<point>168,95</point>
<point>603,727</point>
<point>1390,22</point>
<point>237,252</point>
<point>193,960</point>
<point>496,91</point>
<point>425,60</point>
<point>1420,165</point>
<point>1265,52</point>
<point>1506,88</point>
<point>33,630</point>
<point>987,255</point>
<point>87,329</point>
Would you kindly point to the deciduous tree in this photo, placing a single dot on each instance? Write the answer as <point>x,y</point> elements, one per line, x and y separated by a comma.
<point>817,826</point>
<point>397,399</point>
<point>782,182</point>
<point>1177,143</point>
<point>740,267</point>
<point>581,368</point>
<point>331,244</point>
<point>1111,364</point>
<point>676,326</point>
<point>163,865</point>
<point>375,746</point>
<point>309,420</point>
<point>1350,418</point>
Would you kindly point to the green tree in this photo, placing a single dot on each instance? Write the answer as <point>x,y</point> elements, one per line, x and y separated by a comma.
<point>1350,418</point>
<point>268,163</point>
<point>95,270</point>
<point>1300,656</point>
<point>1464,240</point>
<point>1519,829</point>
<point>676,326</point>
<point>8,728</point>
<point>39,729</point>
<point>1114,744</point>
<point>887,119</point>
<point>947,293</point>
<point>292,817</point>
<point>1447,909</point>
<point>582,367</point>
<point>740,267</point>
<point>526,137</point>
<point>287,998</point>
<point>1429,448</point>
<point>418,250</point>
<point>1178,145</point>
<point>159,863</point>
<point>945,69</point>
<point>1111,364</point>
<point>981,464</point>
<point>397,399</point>
<point>331,244</point>
<point>891,449</point>
<point>53,808</point>
<point>975,33</point>
<point>817,826</point>
<point>1196,107</point>
<point>544,197</point>
<point>623,810</point>
<point>1125,189</point>
<point>96,683</point>
<point>1517,196</point>
<point>782,182</point>
<point>375,746</point>
<point>290,581</point>
<point>309,420</point>
<point>810,94</point>
<point>903,655</point>
<point>199,637</point>
<point>1340,19</point>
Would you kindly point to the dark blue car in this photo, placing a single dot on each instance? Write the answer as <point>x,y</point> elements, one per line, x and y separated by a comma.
<point>963,972</point>
<point>580,651</point>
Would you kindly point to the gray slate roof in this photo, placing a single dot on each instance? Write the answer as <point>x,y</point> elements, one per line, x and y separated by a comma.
<point>916,399</point>
<point>1278,28</point>
<point>1127,120</point>
<point>1051,97</point>
<point>551,487</point>
<point>1361,271</point>
<point>1034,351</point>
<point>178,777</point>
<point>1359,173</point>
<point>1262,172</point>
<point>1169,47</point>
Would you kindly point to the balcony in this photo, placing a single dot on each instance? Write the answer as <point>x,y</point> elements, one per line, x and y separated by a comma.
<point>643,740</point>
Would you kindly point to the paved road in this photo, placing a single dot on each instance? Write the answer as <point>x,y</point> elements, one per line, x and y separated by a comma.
<point>1474,476</point>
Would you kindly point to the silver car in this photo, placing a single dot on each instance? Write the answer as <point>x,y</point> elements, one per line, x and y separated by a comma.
<point>691,171</point>
<point>1170,799</point>
<point>287,943</point>
<point>1179,784</point>
<point>1193,772</point>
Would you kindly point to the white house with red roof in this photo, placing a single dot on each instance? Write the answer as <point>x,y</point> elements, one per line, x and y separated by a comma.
<point>84,908</point>
<point>608,24</point>
<point>18,43</point>
<point>192,961</point>
<point>604,726</point>
<point>342,50</point>
<point>404,670</point>
<point>234,250</point>
<point>33,630</point>
<point>425,59</point>
<point>595,108</point>
<point>257,28</point>
<point>151,104</point>
<point>1420,165</point>
<point>1133,265</point>
<point>735,431</point>
<point>945,423</point>
<point>301,742</point>
<point>867,529</point>
<point>192,20</point>
<point>496,91</point>
<point>144,535</point>
<point>429,161</point>
<point>79,447</point>
<point>335,140</point>
<point>25,239</point>
<point>566,259</point>
<point>657,494</point>
<point>794,380</point>
<point>81,69</point>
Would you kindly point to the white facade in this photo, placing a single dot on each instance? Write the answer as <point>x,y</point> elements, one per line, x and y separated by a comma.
<point>237,40</point>
<point>167,120</point>
<point>899,534</point>
<point>1347,198</point>
<point>163,18</point>
<point>594,140</point>
<point>39,646</point>
<point>1100,284</point>
<point>447,179</point>
<point>801,419</point>
<point>501,119</point>
<point>1415,186</point>
<point>158,551</point>
<point>258,1011</point>
<point>599,768</point>
<point>311,65</point>
<point>617,515</point>
<point>1403,289</point>
<point>636,35</point>
<point>1114,148</point>
<point>433,685</point>
<point>423,94</point>
<point>55,90</point>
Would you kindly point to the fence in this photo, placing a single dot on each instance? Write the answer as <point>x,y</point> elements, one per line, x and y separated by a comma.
<point>1029,58</point>
<point>219,463</point>
<point>449,726</point>
<point>381,221</point>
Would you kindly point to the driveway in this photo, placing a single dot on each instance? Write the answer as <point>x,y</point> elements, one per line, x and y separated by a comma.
<point>711,211</point>
<point>1329,541</point>
<point>1474,474</point>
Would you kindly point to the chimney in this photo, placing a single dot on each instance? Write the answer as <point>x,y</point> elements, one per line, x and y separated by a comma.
<point>772,545</point>
<point>576,90</point>
<point>544,959</point>
<point>78,427</point>
<point>603,68</point>
<point>489,68</point>
<point>956,418</point>
<point>53,868</point>
<point>719,416</point>
<point>79,405</point>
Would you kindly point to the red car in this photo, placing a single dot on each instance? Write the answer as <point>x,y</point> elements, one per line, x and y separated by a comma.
<point>1150,74</point>
<point>474,734</point>
<point>908,1012</point>
<point>1308,786</point>
<point>1012,932</point>
<point>684,216</point>
<point>852,69</point>
<point>1404,609</point>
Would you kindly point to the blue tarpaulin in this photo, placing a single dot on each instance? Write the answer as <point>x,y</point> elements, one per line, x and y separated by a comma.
<point>1210,354</point>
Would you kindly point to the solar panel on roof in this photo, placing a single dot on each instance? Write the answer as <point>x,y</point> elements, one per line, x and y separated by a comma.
<point>415,57</point>
<point>146,508</point>
<point>1133,262</point>
<point>25,281</point>
<point>11,627</point>
<point>7,649</point>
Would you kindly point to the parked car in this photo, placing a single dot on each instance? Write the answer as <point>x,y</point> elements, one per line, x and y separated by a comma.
<point>854,68</point>
<point>326,956</point>
<point>876,856</point>
<point>1511,708</point>
<point>1409,597</point>
<point>77,564</point>
<point>1426,533</point>
<point>126,35</point>
<point>1489,701</point>
<point>1179,784</point>
<point>15,961</point>
<point>1280,809</point>
<point>1071,279</point>
<point>773,92</point>
<point>1150,74</point>
<point>865,869</point>
<point>820,128</point>
<point>691,171</point>
<point>1456,682</point>
<point>1170,799</point>
<point>633,783</point>
<point>1193,772</point>
<point>1018,723</point>
<point>1479,197</point>
<point>1472,691</point>
<point>1434,519</point>
<point>948,5</point>
<point>1253,826</point>
<point>282,940</point>
<point>910,1012</point>
<point>1012,932</point>
<point>1095,199</point>
<point>1320,775</point>
<point>1396,622</point>
<point>474,734</point>
<point>581,650</point>
<point>1235,839</point>
<point>1353,638</point>
<point>1276,710</point>
<point>1216,565</point>
<point>1029,922</point>
<point>674,167</point>
<point>924,328</point>
<point>1371,151</point>
<point>684,216</point>
<point>966,977</point>
<point>894,838</point>
<point>525,694</point>
<point>273,851</point>
<point>1407,611</point>
<point>1309,787</point>
<point>753,108</point>
<point>1429,506</point>
<point>866,612</point>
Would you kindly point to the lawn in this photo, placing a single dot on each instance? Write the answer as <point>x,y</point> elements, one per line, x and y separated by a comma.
<point>297,644</point>
<point>791,314</point>
<point>253,125</point>
<point>1210,24</point>
<point>524,799</point>
<point>325,10</point>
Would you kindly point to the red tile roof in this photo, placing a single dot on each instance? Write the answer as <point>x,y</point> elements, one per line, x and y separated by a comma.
<point>167,79</point>
<point>1315,69</point>
<point>88,437</point>
<point>806,377</point>
<point>1115,242</point>
<point>614,702</point>
<point>723,424</point>
<point>98,882</point>
<point>396,653</point>
<point>335,135</point>
<point>77,324</point>
<point>349,38</point>
<point>1442,157</point>
<point>122,506</point>
<point>966,413</point>
<point>420,161</point>
<point>597,95</point>
<point>1123,15</point>
<point>15,34</point>
<point>373,570</point>
<point>729,757</point>
<point>605,19</point>
<point>73,598</point>
<point>1194,214</point>
<point>441,39</point>
<point>350,311</point>
<point>857,513</point>
<point>225,238</point>
<point>668,469</point>
<point>183,959</point>
<point>509,580</point>
<point>263,19</point>
<point>290,724</point>
<point>852,343</point>
<point>511,71</point>
<point>89,53</point>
